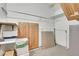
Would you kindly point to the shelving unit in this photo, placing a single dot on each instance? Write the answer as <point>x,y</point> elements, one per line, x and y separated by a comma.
<point>7,30</point>
<point>71,10</point>
<point>4,27</point>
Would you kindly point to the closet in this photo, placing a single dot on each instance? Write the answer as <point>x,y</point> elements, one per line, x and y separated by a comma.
<point>30,31</point>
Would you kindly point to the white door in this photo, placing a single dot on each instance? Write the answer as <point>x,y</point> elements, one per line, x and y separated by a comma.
<point>61,37</point>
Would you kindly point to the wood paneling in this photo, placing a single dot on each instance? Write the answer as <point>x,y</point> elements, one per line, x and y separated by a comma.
<point>69,10</point>
<point>33,35</point>
<point>47,39</point>
<point>31,31</point>
<point>23,30</point>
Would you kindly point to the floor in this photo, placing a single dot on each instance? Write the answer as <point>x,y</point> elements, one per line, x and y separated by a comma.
<point>54,51</point>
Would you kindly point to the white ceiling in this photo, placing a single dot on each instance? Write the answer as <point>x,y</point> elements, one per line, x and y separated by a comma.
<point>40,9</point>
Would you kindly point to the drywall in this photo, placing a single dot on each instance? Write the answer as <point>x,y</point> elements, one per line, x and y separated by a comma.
<point>73,22</point>
<point>74,39</point>
<point>61,26</point>
<point>62,31</point>
<point>56,10</point>
<point>2,13</point>
<point>43,25</point>
<point>36,9</point>
<point>40,9</point>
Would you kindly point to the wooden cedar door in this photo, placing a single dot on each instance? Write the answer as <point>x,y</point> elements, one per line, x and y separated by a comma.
<point>33,35</point>
<point>48,39</point>
<point>31,31</point>
<point>23,30</point>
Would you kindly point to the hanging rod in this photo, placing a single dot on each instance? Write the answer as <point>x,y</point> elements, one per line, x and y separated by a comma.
<point>28,14</point>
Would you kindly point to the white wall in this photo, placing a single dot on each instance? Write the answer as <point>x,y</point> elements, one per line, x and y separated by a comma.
<point>61,24</point>
<point>36,9</point>
<point>56,9</point>
<point>61,27</point>
<point>2,13</point>
<point>43,25</point>
<point>40,9</point>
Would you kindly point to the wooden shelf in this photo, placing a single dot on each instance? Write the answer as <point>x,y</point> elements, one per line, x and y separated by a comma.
<point>69,9</point>
<point>74,17</point>
<point>2,23</point>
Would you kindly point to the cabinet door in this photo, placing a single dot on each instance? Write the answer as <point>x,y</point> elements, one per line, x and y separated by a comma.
<point>23,30</point>
<point>47,39</point>
<point>33,36</point>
